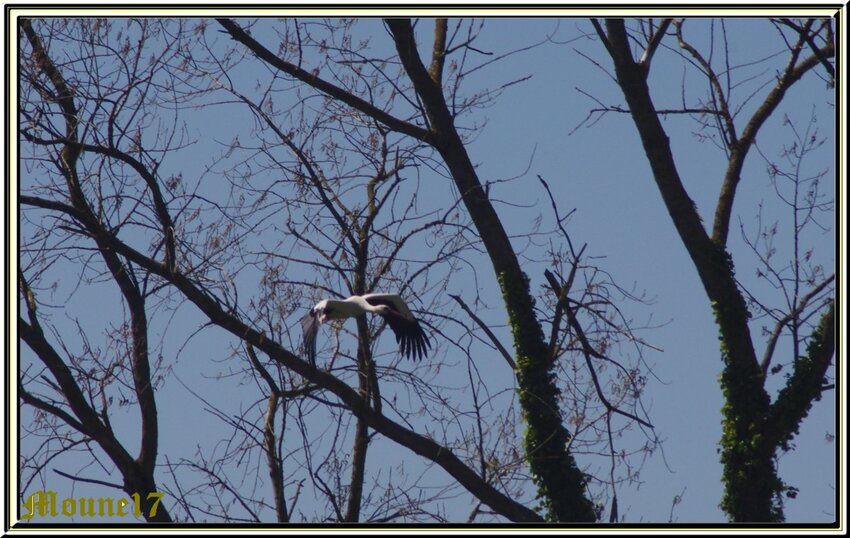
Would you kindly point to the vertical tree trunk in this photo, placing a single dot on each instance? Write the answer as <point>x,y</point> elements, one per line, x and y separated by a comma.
<point>560,482</point>
<point>751,424</point>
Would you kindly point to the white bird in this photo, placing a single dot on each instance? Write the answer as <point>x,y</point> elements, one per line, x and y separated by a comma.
<point>409,335</point>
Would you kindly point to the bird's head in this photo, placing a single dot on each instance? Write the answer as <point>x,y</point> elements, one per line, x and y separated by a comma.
<point>322,312</point>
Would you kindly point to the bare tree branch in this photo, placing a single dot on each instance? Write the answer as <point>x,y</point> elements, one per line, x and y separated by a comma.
<point>493,338</point>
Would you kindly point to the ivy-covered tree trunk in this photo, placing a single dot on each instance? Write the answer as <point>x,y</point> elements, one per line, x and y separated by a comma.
<point>560,483</point>
<point>754,428</point>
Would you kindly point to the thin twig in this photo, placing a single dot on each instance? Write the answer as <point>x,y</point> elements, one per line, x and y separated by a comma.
<point>487,330</point>
<point>88,480</point>
<point>589,353</point>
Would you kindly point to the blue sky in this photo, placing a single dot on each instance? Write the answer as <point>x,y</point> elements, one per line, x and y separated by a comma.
<point>600,171</point>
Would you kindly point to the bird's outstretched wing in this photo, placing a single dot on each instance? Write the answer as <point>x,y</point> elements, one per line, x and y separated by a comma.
<point>412,340</point>
<point>310,328</point>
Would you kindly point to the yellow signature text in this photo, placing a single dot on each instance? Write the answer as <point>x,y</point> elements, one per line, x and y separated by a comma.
<point>47,504</point>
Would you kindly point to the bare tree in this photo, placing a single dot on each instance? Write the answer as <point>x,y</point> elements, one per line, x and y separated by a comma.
<point>756,425</point>
<point>320,198</point>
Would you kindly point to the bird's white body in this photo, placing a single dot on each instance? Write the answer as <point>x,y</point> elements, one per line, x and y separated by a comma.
<point>355,306</point>
<point>414,343</point>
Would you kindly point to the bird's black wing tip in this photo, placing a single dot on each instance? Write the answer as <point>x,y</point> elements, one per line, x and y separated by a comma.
<point>310,328</point>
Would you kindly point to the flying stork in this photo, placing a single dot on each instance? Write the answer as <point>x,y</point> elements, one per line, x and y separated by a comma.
<point>409,335</point>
